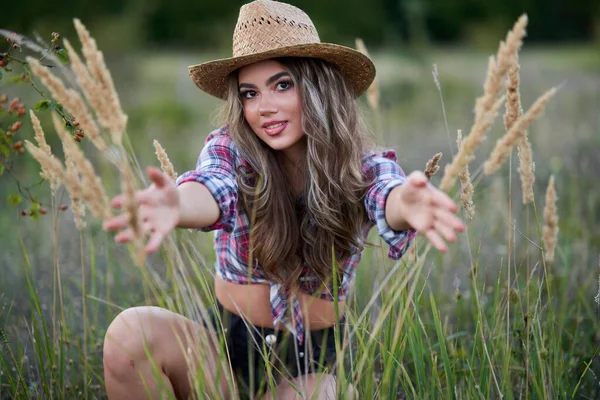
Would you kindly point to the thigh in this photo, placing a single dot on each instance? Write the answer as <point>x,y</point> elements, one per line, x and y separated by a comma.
<point>183,349</point>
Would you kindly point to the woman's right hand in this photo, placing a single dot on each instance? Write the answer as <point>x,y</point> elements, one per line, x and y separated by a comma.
<point>159,211</point>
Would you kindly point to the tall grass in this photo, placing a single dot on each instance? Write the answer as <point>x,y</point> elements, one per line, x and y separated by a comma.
<point>517,328</point>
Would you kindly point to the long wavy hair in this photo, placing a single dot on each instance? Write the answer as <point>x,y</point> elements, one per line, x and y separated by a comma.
<point>323,225</point>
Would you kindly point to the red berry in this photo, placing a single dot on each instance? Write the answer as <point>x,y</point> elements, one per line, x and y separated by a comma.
<point>2,63</point>
<point>16,126</point>
<point>43,211</point>
<point>63,207</point>
<point>77,138</point>
<point>79,133</point>
<point>23,213</point>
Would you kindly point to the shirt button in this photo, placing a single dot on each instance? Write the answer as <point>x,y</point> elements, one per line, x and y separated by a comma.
<point>271,339</point>
<point>301,354</point>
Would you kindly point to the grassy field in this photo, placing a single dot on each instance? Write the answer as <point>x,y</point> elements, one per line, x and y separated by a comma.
<point>489,319</point>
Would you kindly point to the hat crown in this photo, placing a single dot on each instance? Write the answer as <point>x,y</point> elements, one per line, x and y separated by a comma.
<point>265,25</point>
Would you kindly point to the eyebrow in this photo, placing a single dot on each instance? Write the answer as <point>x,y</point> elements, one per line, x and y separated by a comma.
<point>267,82</point>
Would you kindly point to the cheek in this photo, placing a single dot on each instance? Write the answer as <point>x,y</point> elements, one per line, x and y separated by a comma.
<point>249,114</point>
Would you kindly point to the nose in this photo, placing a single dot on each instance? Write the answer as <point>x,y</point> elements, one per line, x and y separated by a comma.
<point>267,105</point>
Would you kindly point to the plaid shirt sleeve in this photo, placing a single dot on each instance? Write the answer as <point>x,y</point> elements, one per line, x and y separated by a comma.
<point>216,170</point>
<point>386,174</point>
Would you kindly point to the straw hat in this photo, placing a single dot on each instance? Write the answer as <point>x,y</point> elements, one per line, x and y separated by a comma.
<point>268,29</point>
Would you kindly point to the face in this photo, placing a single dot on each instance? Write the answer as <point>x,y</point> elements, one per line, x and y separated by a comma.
<point>272,106</point>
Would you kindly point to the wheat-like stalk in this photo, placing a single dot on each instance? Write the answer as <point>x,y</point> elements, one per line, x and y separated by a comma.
<point>77,205</point>
<point>108,108</point>
<point>40,138</point>
<point>486,106</point>
<point>513,112</point>
<point>550,230</point>
<point>516,133</point>
<point>91,189</point>
<point>432,165</point>
<point>69,98</point>
<point>165,162</point>
<point>373,93</point>
<point>48,162</point>
<point>90,89</point>
<point>466,197</point>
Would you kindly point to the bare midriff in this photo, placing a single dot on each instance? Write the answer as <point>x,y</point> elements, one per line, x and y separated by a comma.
<point>252,300</point>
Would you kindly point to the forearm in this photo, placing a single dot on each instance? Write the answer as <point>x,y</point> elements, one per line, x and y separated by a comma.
<point>198,208</point>
<point>393,211</point>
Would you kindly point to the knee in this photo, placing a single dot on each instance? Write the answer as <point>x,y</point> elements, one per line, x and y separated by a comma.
<point>127,339</point>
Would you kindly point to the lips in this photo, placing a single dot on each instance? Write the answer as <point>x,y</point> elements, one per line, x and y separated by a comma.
<point>273,128</point>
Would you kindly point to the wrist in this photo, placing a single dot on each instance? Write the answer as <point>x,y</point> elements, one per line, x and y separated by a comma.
<point>395,210</point>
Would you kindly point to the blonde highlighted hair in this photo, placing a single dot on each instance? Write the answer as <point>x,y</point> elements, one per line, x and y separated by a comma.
<point>324,223</point>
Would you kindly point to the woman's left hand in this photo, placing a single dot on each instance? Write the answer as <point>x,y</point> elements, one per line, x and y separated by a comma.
<point>422,206</point>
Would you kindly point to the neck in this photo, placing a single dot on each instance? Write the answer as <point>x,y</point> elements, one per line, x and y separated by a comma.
<point>294,157</point>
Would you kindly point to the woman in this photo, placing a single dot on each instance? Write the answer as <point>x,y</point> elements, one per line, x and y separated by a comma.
<point>289,184</point>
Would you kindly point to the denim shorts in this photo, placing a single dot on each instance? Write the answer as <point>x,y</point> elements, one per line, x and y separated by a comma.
<point>249,345</point>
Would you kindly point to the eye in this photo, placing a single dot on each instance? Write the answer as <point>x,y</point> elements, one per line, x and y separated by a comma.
<point>284,85</point>
<point>248,94</point>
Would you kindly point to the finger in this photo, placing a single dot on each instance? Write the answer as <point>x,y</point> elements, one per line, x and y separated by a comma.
<point>154,242</point>
<point>124,236</point>
<point>436,240</point>
<point>445,230</point>
<point>450,219</point>
<point>118,222</point>
<point>158,177</point>
<point>117,201</point>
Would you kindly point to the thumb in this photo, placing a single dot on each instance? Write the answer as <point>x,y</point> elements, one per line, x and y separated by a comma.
<point>157,177</point>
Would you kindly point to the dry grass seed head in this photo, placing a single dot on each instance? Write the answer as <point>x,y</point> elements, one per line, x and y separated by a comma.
<point>432,166</point>
<point>69,98</point>
<point>94,97</point>
<point>513,112</point>
<point>516,133</point>
<point>40,138</point>
<point>165,162</point>
<point>486,106</point>
<point>550,230</point>
<point>77,206</point>
<point>111,113</point>
<point>466,197</point>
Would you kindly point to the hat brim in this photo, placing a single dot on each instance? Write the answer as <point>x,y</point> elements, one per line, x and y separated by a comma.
<point>357,68</point>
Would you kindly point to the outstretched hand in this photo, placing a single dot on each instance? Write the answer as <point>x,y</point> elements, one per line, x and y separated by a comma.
<point>429,210</point>
<point>158,211</point>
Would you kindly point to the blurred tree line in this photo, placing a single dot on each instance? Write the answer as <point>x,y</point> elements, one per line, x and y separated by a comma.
<point>208,24</point>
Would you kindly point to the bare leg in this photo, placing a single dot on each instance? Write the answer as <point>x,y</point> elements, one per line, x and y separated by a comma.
<point>311,386</point>
<point>173,342</point>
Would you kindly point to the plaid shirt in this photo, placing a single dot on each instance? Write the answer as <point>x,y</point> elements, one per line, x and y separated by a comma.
<point>216,169</point>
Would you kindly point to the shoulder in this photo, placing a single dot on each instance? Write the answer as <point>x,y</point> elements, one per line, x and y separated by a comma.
<point>220,143</point>
<point>220,137</point>
<point>379,161</point>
